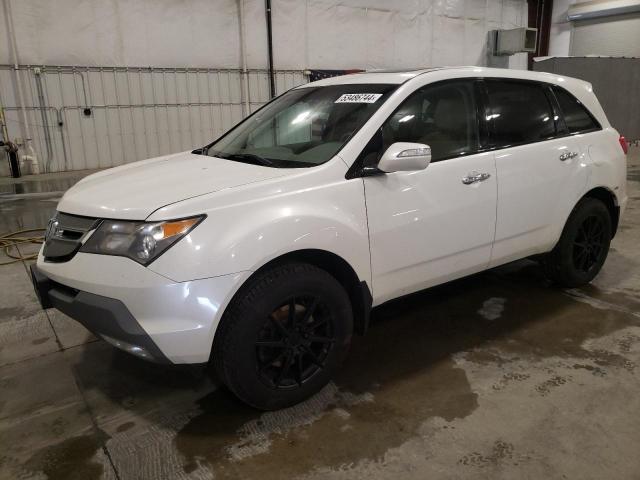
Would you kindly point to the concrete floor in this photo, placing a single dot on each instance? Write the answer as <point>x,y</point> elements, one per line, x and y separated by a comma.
<point>495,376</point>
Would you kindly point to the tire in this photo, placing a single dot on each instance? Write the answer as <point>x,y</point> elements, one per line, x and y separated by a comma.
<point>271,359</point>
<point>583,246</point>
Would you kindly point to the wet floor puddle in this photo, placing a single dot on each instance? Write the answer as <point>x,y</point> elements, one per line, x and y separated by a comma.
<point>71,459</point>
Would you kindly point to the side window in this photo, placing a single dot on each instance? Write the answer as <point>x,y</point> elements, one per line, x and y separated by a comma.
<point>441,116</point>
<point>576,116</point>
<point>520,113</point>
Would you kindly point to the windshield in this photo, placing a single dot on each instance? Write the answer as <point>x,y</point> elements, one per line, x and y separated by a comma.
<point>302,128</point>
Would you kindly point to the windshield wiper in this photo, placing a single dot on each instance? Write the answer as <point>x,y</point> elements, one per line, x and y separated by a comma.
<point>250,158</point>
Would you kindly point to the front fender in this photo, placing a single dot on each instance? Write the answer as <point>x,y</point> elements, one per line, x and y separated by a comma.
<point>248,226</point>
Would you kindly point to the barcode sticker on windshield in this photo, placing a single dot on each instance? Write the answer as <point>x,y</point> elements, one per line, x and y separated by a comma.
<point>358,98</point>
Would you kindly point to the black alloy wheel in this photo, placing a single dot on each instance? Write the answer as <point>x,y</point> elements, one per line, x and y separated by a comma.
<point>294,342</point>
<point>583,245</point>
<point>283,336</point>
<point>588,245</point>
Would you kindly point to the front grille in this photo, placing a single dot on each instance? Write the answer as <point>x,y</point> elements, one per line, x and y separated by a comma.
<point>64,235</point>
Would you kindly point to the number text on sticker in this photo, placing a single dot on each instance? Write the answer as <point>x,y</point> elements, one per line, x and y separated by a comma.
<point>358,98</point>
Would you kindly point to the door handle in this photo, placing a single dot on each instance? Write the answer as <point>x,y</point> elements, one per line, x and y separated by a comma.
<point>475,177</point>
<point>567,155</point>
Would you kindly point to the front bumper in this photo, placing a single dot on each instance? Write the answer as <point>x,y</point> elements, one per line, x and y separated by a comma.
<point>136,309</point>
<point>103,316</point>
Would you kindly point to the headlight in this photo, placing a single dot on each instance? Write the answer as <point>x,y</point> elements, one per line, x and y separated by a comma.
<point>140,241</point>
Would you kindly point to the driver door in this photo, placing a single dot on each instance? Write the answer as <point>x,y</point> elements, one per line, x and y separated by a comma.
<point>430,226</point>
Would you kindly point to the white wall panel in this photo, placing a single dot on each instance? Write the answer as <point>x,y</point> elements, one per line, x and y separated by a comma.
<point>412,34</point>
<point>475,46</point>
<point>112,32</point>
<point>560,34</point>
<point>477,9</point>
<point>380,38</point>
<point>449,8</point>
<point>450,43</point>
<point>290,34</point>
<point>201,33</point>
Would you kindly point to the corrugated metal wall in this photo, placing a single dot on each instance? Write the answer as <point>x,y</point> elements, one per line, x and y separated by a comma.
<point>135,112</point>
<point>616,36</point>
<point>615,81</point>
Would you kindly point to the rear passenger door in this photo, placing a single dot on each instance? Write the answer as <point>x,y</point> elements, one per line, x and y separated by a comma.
<point>541,171</point>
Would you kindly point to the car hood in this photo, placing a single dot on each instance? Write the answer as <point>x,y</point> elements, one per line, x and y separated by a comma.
<point>134,191</point>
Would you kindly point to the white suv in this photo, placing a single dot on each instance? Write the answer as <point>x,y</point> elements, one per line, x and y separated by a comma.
<point>264,251</point>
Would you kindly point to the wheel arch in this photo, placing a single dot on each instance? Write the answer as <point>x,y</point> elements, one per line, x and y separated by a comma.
<point>610,200</point>
<point>357,290</point>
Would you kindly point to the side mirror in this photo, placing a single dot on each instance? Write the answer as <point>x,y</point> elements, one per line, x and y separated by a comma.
<point>405,157</point>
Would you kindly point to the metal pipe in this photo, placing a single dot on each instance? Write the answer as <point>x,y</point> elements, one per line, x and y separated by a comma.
<point>188,92</point>
<point>87,110</point>
<point>115,89</point>
<point>31,92</point>
<point>243,47</point>
<point>144,118</point>
<point>85,154</point>
<point>45,118</point>
<point>201,129</point>
<point>3,127</point>
<point>220,112</point>
<point>136,105</point>
<point>16,62</point>
<point>230,97</point>
<point>210,108</point>
<point>165,96</point>
<point>133,123</point>
<point>106,119</point>
<point>62,139</point>
<point>156,120</point>
<point>87,68</point>
<point>50,123</point>
<point>272,80</point>
<point>180,129</point>
<point>62,123</point>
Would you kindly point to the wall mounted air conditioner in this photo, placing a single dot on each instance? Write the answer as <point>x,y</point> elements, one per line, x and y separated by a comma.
<point>517,40</point>
<point>600,8</point>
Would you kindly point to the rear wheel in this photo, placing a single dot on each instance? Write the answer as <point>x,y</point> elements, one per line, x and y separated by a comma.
<point>583,245</point>
<point>283,336</point>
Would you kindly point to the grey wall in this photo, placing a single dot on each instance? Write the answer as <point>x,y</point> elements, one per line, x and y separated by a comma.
<point>616,82</point>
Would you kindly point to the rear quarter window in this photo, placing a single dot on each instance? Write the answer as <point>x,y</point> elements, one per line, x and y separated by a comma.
<point>520,113</point>
<point>576,117</point>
